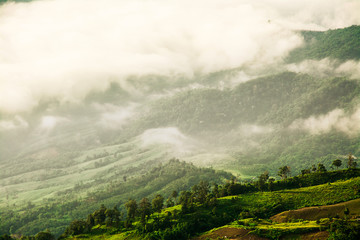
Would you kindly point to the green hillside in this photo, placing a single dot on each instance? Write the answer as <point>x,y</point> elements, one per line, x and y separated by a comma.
<point>49,207</point>
<point>273,102</point>
<point>249,211</point>
<point>341,44</point>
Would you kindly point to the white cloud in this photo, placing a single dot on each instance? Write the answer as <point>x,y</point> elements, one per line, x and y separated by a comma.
<point>65,49</point>
<point>335,120</point>
<point>48,123</point>
<point>327,67</point>
<point>252,130</point>
<point>170,137</point>
<point>115,117</point>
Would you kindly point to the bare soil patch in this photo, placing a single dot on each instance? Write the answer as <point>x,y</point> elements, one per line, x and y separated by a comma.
<point>316,213</point>
<point>323,235</point>
<point>230,233</point>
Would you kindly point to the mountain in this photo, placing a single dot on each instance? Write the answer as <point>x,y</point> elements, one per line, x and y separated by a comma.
<point>62,160</point>
<point>341,44</point>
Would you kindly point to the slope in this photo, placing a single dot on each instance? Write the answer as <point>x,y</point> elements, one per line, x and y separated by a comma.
<point>341,44</point>
<point>239,211</point>
<point>56,210</point>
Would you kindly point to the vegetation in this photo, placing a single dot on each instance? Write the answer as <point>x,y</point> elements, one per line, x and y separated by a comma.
<point>56,215</point>
<point>204,208</point>
<point>339,44</point>
<point>249,128</point>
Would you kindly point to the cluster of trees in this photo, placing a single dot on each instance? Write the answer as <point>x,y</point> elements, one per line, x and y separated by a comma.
<point>103,216</point>
<point>309,176</point>
<point>336,163</point>
<point>144,209</point>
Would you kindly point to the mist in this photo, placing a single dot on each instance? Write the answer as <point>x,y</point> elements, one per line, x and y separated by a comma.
<point>327,68</point>
<point>84,45</point>
<point>338,120</point>
<point>16,123</point>
<point>171,138</point>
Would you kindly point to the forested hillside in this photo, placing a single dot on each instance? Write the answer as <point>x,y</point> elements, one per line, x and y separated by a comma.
<point>56,212</point>
<point>341,44</point>
<point>246,207</point>
<point>62,160</point>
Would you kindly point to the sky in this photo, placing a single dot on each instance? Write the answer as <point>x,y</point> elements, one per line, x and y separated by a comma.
<point>64,49</point>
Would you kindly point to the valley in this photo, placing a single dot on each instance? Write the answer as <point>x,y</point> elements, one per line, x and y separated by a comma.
<point>122,101</point>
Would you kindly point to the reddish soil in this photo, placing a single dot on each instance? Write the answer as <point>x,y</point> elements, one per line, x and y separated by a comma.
<point>230,233</point>
<point>315,236</point>
<point>243,234</point>
<point>308,236</point>
<point>316,213</point>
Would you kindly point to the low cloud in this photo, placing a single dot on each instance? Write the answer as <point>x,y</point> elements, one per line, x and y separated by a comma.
<point>115,117</point>
<point>84,45</point>
<point>327,67</point>
<point>170,137</point>
<point>48,123</point>
<point>252,130</point>
<point>337,120</point>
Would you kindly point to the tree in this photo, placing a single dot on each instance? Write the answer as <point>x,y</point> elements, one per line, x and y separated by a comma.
<point>158,203</point>
<point>321,168</point>
<point>131,207</point>
<point>284,172</point>
<point>169,202</point>
<point>174,195</point>
<point>112,217</point>
<point>200,191</point>
<point>76,227</point>
<point>271,184</point>
<point>215,190</point>
<point>351,163</point>
<point>262,180</point>
<point>99,215</point>
<point>185,201</point>
<point>144,210</point>
<point>90,220</point>
<point>305,171</point>
<point>337,163</point>
<point>44,236</point>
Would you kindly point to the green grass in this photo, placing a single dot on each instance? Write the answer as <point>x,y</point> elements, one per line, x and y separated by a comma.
<point>302,197</point>
<point>290,226</point>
